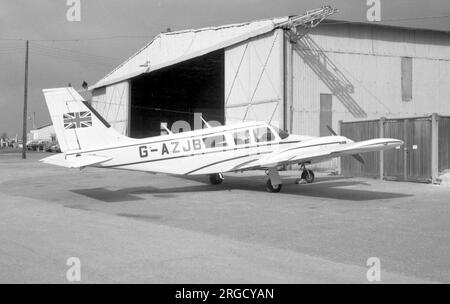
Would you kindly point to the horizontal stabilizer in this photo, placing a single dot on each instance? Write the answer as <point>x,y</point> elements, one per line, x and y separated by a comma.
<point>74,161</point>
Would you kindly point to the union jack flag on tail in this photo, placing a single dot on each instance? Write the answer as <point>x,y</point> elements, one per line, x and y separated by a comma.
<point>76,120</point>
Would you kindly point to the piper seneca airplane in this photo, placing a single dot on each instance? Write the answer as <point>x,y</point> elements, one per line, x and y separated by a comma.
<point>87,140</point>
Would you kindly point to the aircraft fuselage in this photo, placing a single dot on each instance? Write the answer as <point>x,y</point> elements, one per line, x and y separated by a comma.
<point>206,151</point>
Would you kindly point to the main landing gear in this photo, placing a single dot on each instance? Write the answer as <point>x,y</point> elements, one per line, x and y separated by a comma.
<point>271,188</point>
<point>216,179</point>
<point>307,176</point>
<point>274,182</point>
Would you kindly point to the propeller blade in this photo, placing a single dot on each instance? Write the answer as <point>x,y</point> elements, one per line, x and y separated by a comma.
<point>359,158</point>
<point>331,131</point>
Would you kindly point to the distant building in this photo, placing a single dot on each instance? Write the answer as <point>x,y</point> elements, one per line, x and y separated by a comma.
<point>43,133</point>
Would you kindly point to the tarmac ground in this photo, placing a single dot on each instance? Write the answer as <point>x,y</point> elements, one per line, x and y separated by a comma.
<point>132,227</point>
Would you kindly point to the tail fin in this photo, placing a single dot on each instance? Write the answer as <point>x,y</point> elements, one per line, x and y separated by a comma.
<point>77,125</point>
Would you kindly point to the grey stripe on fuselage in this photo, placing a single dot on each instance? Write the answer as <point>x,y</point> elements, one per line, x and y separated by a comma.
<point>203,153</point>
<point>164,140</point>
<point>226,160</point>
<point>224,150</point>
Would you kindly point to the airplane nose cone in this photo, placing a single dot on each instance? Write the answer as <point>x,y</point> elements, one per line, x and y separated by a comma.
<point>397,143</point>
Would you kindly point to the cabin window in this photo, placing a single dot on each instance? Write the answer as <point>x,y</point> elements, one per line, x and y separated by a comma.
<point>283,134</point>
<point>263,135</point>
<point>215,141</point>
<point>241,137</point>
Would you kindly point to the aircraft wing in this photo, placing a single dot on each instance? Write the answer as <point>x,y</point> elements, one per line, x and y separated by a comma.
<point>303,153</point>
<point>75,162</point>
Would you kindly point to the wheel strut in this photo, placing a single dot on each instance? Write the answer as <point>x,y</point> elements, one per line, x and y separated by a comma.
<point>307,175</point>
<point>216,179</point>
<point>274,182</point>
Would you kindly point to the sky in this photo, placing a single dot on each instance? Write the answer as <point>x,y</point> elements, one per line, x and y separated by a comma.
<point>109,31</point>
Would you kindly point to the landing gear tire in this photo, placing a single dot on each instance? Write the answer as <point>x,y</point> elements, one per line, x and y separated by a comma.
<point>216,179</point>
<point>308,176</point>
<point>271,188</point>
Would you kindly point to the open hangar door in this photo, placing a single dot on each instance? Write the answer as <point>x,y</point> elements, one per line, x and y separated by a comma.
<point>254,80</point>
<point>175,93</point>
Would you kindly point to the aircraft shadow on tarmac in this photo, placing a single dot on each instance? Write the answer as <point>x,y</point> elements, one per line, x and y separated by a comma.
<point>332,188</point>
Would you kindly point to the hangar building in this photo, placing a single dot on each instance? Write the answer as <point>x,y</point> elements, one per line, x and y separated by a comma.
<point>260,70</point>
<point>45,133</point>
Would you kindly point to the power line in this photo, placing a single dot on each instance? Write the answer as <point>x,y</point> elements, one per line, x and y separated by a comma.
<point>8,64</point>
<point>386,20</point>
<point>71,55</point>
<point>73,52</point>
<point>418,18</point>
<point>12,51</point>
<point>10,46</point>
<point>80,39</point>
<point>58,53</point>
<point>67,58</point>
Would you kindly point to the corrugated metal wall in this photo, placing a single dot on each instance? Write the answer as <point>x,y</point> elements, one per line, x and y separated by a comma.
<point>254,80</point>
<point>364,74</point>
<point>360,65</point>
<point>112,102</point>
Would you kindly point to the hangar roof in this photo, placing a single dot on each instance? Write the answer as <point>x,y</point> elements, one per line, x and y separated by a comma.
<point>173,47</point>
<point>382,25</point>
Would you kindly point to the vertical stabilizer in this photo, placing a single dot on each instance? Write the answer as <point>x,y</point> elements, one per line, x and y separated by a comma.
<point>77,125</point>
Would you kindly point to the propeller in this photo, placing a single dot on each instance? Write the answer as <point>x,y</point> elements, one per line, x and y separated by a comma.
<point>331,131</point>
<point>358,156</point>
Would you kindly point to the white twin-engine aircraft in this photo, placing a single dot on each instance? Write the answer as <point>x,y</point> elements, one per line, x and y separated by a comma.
<point>87,140</point>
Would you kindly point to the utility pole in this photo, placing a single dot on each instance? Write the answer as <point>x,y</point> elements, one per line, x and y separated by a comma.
<point>25,97</point>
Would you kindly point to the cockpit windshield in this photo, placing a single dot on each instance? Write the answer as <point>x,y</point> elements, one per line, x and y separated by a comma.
<point>283,134</point>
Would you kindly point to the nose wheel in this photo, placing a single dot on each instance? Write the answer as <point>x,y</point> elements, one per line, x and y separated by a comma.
<point>307,176</point>
<point>216,179</point>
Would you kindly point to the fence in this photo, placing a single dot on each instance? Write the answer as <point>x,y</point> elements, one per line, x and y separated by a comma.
<point>425,153</point>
